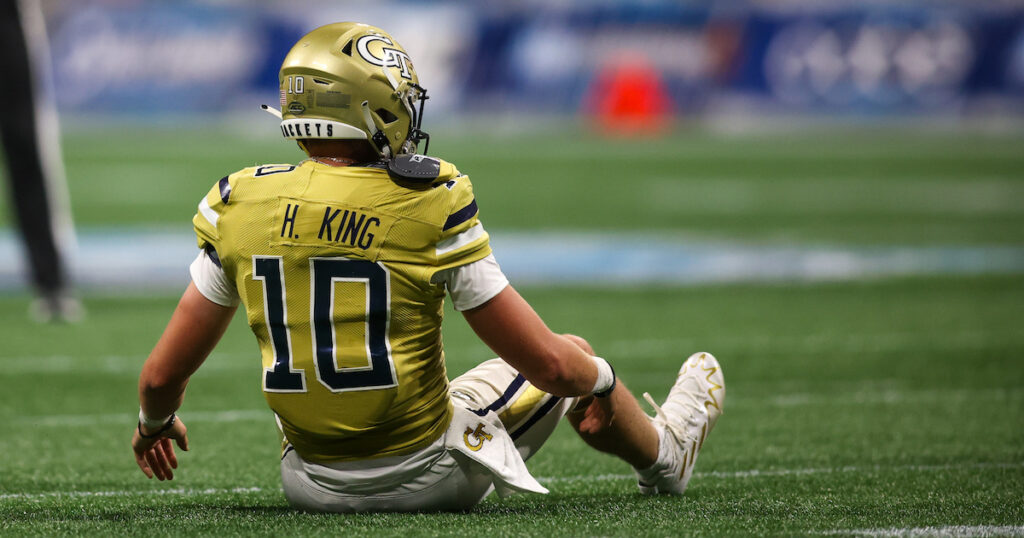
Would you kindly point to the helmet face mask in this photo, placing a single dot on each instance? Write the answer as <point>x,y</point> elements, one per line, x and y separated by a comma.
<point>352,81</point>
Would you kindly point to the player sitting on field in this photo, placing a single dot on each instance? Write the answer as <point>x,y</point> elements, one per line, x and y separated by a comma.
<point>343,262</point>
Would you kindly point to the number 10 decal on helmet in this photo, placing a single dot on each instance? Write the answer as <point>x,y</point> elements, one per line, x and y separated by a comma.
<point>352,81</point>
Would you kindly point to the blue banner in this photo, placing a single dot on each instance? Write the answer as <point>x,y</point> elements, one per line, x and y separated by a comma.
<point>157,58</point>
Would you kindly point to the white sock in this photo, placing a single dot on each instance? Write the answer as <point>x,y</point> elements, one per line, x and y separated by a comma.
<point>650,475</point>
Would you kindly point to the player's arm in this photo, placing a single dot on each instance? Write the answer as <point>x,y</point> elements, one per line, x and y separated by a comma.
<point>500,316</point>
<point>552,362</point>
<point>195,328</point>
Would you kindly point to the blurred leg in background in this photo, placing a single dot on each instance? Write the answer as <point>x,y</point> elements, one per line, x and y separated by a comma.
<point>35,172</point>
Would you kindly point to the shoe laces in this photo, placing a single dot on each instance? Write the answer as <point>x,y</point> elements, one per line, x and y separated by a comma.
<point>691,404</point>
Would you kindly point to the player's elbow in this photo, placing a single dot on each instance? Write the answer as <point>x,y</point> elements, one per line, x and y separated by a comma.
<point>552,373</point>
<point>158,380</point>
<point>154,382</point>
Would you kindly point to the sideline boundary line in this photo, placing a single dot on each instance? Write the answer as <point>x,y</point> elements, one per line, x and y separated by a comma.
<point>959,531</point>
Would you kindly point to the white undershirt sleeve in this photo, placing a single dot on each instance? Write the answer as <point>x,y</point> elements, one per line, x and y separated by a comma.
<point>211,281</point>
<point>473,284</point>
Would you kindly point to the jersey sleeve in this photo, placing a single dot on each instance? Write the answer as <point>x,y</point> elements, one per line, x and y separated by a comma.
<point>474,284</point>
<point>463,239</point>
<point>210,280</point>
<point>211,207</point>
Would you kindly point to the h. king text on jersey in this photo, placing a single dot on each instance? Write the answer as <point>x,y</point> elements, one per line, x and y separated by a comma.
<point>348,227</point>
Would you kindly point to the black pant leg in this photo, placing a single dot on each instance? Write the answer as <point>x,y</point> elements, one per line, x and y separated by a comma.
<point>26,173</point>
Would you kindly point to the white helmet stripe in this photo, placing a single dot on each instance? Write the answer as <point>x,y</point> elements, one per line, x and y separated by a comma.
<point>391,78</point>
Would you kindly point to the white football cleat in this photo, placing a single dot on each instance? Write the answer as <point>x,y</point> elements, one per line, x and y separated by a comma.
<point>684,421</point>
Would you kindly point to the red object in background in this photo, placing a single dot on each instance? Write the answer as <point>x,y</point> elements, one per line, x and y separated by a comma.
<point>629,98</point>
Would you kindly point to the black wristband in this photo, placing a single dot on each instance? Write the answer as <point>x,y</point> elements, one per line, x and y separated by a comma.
<point>607,392</point>
<point>164,428</point>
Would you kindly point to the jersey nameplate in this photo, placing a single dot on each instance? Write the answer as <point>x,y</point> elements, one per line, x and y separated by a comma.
<point>330,225</point>
<point>418,170</point>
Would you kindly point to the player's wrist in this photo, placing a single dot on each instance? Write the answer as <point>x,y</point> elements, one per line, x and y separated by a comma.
<point>605,383</point>
<point>153,424</point>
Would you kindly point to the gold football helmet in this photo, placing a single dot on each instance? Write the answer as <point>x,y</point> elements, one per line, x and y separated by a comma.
<point>351,80</point>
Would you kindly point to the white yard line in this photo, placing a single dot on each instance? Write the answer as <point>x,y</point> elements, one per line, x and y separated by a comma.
<point>753,473</point>
<point>118,364</point>
<point>125,493</point>
<point>956,531</point>
<point>758,473</point>
<point>888,396</point>
<point>230,415</point>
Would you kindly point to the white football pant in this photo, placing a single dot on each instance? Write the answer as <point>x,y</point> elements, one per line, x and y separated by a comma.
<point>500,420</point>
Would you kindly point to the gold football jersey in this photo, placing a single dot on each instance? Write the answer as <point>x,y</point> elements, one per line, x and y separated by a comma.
<point>334,267</point>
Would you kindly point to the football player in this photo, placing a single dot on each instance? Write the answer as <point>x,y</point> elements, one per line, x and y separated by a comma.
<point>342,263</point>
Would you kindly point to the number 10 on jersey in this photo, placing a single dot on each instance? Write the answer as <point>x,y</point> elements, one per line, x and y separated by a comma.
<point>379,372</point>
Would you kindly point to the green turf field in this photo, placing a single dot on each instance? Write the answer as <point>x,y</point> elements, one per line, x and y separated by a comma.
<point>893,404</point>
<point>864,407</point>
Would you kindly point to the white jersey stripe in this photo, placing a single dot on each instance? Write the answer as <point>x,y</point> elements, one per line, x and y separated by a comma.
<point>460,240</point>
<point>208,213</point>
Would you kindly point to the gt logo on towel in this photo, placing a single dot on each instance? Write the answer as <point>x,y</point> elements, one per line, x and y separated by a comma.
<point>480,435</point>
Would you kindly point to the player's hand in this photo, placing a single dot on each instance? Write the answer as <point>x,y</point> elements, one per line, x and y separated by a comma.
<point>598,415</point>
<point>156,456</point>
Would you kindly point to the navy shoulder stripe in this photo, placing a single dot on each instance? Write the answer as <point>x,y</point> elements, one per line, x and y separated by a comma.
<point>225,189</point>
<point>212,254</point>
<point>461,215</point>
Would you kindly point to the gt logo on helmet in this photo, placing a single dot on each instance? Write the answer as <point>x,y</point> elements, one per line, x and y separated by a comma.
<point>392,57</point>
